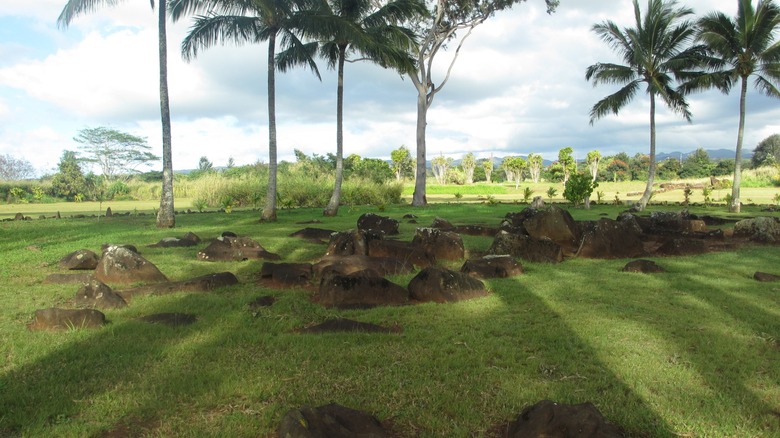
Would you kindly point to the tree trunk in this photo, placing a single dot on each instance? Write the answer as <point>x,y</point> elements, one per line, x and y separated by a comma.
<point>419,199</point>
<point>333,206</point>
<point>736,206</point>
<point>166,217</point>
<point>269,211</point>
<point>651,170</point>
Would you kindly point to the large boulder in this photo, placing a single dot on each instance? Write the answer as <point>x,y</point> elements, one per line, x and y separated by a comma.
<point>766,277</point>
<point>553,223</point>
<point>675,222</point>
<point>608,239</point>
<point>526,247</point>
<point>330,421</point>
<point>235,248</point>
<point>123,266</point>
<point>492,266</point>
<point>371,221</point>
<point>98,295</point>
<point>445,286</point>
<point>286,274</point>
<point>761,229</point>
<point>359,291</point>
<point>66,319</point>
<point>314,235</point>
<point>347,265</point>
<point>552,420</point>
<point>347,243</point>
<point>396,249</point>
<point>440,244</point>
<point>82,259</point>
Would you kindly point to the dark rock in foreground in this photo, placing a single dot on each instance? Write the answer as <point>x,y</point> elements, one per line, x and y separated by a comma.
<point>66,319</point>
<point>371,221</point>
<point>122,265</point>
<point>285,275</point>
<point>98,295</point>
<point>765,277</point>
<point>170,319</point>
<point>330,421</point>
<point>189,239</point>
<point>360,263</point>
<point>526,248</point>
<point>552,420</point>
<point>229,248</point>
<point>358,291</point>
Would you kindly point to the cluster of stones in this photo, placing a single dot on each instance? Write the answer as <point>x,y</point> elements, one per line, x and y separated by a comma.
<point>119,265</point>
<point>543,419</point>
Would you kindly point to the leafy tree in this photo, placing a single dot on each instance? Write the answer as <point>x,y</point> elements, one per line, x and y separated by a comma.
<point>249,21</point>
<point>117,154</point>
<point>535,163</point>
<point>166,215</point>
<point>592,160</point>
<point>231,163</point>
<point>567,163</point>
<point>372,169</point>
<point>469,163</point>
<point>446,21</point>
<point>402,163</point>
<point>69,181</point>
<point>617,170</point>
<point>514,167</point>
<point>723,168</point>
<point>697,165</point>
<point>439,165</point>
<point>204,165</point>
<point>363,27</point>
<point>487,165</point>
<point>767,152</point>
<point>578,188</point>
<point>741,47</point>
<point>639,167</point>
<point>655,52</point>
<point>669,169</point>
<point>14,169</point>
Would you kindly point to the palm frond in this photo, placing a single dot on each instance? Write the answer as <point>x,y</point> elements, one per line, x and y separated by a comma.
<point>209,30</point>
<point>606,73</point>
<point>614,102</point>
<point>74,8</point>
<point>767,87</point>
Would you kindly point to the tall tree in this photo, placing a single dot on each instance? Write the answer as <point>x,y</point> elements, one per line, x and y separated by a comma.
<point>767,152</point>
<point>593,159</point>
<point>655,52</point>
<point>166,217</point>
<point>487,165</point>
<point>447,20</point>
<point>439,165</point>
<point>248,21</point>
<point>367,29</point>
<point>14,169</point>
<point>535,163</point>
<point>402,162</point>
<point>567,162</point>
<point>514,167</point>
<point>741,47</point>
<point>469,163</point>
<point>117,154</point>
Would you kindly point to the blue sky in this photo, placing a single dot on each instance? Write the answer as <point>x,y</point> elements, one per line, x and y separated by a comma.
<point>517,88</point>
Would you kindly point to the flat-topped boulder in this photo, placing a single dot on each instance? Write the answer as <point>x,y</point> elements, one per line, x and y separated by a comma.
<point>359,291</point>
<point>66,319</point>
<point>121,265</point>
<point>235,248</point>
<point>440,244</point>
<point>555,224</point>
<point>371,221</point>
<point>82,259</point>
<point>760,229</point>
<point>526,247</point>
<point>346,243</point>
<point>284,275</point>
<point>492,266</point>
<point>410,252</point>
<point>314,235</point>
<point>608,239</point>
<point>189,239</point>
<point>444,286</point>
<point>330,421</point>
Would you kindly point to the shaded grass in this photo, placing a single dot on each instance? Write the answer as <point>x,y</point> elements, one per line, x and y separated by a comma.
<point>693,351</point>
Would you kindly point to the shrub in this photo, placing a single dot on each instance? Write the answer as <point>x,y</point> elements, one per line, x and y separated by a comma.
<point>578,188</point>
<point>527,194</point>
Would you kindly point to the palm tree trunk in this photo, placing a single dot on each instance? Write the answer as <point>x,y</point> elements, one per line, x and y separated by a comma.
<point>651,170</point>
<point>166,217</point>
<point>735,206</point>
<point>269,211</point>
<point>419,199</point>
<point>333,206</point>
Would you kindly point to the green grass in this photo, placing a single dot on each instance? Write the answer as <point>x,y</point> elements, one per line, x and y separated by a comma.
<point>692,352</point>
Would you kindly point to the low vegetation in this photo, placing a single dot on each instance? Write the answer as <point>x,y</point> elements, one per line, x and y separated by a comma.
<point>691,352</point>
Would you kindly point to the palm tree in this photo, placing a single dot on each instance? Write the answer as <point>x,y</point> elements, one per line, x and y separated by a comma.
<point>165,216</point>
<point>741,47</point>
<point>655,52</point>
<point>344,27</point>
<point>241,22</point>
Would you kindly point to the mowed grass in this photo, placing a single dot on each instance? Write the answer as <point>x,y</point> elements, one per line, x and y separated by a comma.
<point>692,352</point>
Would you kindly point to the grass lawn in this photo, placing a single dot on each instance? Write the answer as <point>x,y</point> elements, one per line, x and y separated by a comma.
<point>693,352</point>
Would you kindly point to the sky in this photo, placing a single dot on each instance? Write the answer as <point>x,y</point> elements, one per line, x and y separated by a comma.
<point>518,87</point>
